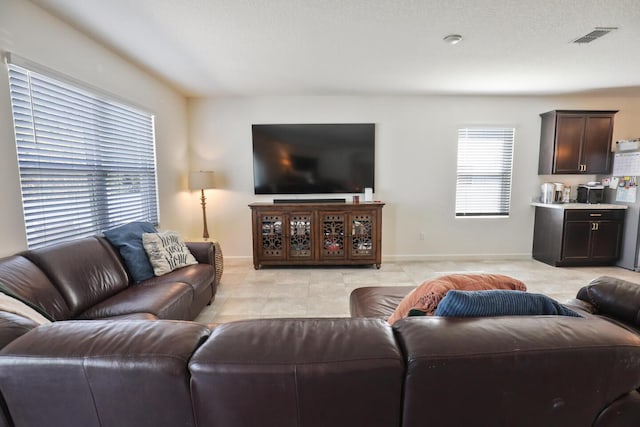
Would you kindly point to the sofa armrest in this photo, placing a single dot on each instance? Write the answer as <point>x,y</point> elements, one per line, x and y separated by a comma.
<point>613,297</point>
<point>203,252</point>
<point>96,372</point>
<point>623,412</point>
<point>499,368</point>
<point>580,306</point>
<point>208,253</point>
<point>13,326</point>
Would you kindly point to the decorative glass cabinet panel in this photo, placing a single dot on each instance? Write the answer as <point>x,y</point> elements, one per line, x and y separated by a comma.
<point>272,236</point>
<point>300,236</point>
<point>362,235</point>
<point>333,235</point>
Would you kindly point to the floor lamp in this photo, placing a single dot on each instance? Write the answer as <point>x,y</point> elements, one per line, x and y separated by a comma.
<point>202,180</point>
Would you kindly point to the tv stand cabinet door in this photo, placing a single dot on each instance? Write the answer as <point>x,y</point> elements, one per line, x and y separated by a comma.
<point>268,236</point>
<point>299,240</point>
<point>363,243</point>
<point>333,235</point>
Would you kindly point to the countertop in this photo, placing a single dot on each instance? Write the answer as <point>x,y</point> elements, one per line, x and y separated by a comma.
<point>578,205</point>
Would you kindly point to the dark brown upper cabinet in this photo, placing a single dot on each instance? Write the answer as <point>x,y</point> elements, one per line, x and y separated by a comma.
<point>576,142</point>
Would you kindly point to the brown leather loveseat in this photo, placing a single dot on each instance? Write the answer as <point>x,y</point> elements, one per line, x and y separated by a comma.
<point>87,279</point>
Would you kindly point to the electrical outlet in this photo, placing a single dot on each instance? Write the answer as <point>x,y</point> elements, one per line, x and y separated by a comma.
<point>421,236</point>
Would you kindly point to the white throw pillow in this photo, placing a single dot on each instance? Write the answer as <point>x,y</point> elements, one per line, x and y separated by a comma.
<point>15,306</point>
<point>166,251</point>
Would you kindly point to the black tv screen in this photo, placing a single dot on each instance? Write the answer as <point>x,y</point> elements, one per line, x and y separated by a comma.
<point>313,158</point>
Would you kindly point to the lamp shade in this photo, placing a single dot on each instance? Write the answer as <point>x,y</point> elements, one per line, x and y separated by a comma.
<point>201,180</point>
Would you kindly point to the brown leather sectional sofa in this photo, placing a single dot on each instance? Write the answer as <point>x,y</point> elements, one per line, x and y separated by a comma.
<point>359,371</point>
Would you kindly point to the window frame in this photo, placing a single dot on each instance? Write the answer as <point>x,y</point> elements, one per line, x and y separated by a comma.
<point>468,203</point>
<point>81,153</point>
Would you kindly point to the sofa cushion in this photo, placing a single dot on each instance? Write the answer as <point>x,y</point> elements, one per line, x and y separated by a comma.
<point>85,271</point>
<point>166,251</point>
<point>101,373</point>
<point>499,303</point>
<point>298,372</point>
<point>164,300</point>
<point>201,277</point>
<point>22,279</point>
<point>427,296</point>
<point>515,370</point>
<point>132,316</point>
<point>127,239</point>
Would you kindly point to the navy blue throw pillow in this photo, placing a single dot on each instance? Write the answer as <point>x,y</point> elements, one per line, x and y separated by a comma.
<point>127,239</point>
<point>499,303</point>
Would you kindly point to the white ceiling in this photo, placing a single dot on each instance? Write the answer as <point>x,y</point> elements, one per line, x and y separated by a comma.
<point>329,47</point>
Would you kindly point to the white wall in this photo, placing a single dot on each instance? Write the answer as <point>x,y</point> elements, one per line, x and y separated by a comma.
<point>415,153</point>
<point>33,34</point>
<point>416,148</point>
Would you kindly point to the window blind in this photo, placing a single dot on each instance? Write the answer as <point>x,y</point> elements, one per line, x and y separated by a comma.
<point>485,159</point>
<point>86,163</point>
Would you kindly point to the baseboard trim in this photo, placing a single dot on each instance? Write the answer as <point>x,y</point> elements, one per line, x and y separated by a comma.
<point>426,257</point>
<point>456,257</point>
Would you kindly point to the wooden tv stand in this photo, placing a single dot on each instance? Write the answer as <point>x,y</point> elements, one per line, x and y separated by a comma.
<point>317,233</point>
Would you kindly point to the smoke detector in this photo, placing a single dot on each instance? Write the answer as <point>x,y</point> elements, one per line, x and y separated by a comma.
<point>453,38</point>
<point>595,34</point>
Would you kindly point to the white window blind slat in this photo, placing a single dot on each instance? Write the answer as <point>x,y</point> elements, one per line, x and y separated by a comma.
<point>87,163</point>
<point>485,159</point>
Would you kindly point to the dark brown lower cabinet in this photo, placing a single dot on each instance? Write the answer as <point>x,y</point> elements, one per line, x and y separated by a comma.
<point>571,237</point>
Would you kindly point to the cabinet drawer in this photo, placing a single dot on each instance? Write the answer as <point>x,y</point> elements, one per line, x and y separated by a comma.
<point>594,215</point>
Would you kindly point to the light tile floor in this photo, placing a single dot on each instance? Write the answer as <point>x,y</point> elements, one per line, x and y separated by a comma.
<point>245,293</point>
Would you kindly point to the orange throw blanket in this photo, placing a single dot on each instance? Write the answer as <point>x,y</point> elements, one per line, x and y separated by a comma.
<point>427,296</point>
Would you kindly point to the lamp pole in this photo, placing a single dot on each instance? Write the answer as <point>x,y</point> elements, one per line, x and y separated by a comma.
<point>205,232</point>
<point>202,180</point>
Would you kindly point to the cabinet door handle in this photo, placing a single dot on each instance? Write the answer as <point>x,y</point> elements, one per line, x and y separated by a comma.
<point>594,226</point>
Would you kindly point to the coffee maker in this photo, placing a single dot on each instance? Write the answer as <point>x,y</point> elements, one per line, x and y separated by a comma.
<point>558,192</point>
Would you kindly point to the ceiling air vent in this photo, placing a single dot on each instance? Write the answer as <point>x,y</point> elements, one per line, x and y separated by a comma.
<point>595,34</point>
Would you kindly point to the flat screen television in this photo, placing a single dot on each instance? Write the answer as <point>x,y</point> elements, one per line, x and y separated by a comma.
<point>313,158</point>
